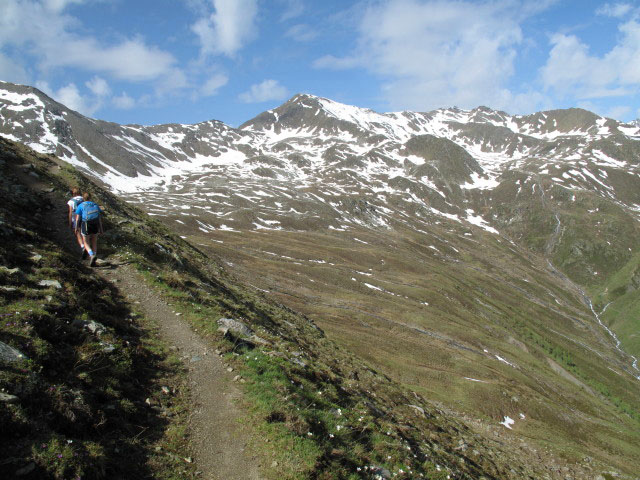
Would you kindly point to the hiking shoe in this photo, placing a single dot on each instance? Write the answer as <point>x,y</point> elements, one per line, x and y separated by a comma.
<point>84,254</point>
<point>94,257</point>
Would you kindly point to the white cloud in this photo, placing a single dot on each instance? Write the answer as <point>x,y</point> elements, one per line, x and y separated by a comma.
<point>48,34</point>
<point>439,52</point>
<point>301,33</point>
<point>571,69</point>
<point>59,5</point>
<point>213,84</point>
<point>124,102</point>
<point>293,9</point>
<point>71,97</point>
<point>129,60</point>
<point>98,86</point>
<point>617,10</point>
<point>264,92</point>
<point>228,28</point>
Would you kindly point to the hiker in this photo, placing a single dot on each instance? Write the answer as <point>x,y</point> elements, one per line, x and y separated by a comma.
<point>76,199</point>
<point>89,223</point>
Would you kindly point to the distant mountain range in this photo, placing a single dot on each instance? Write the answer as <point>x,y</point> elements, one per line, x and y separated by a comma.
<point>476,256</point>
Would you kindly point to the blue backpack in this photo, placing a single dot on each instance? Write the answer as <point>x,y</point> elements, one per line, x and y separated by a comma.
<point>90,211</point>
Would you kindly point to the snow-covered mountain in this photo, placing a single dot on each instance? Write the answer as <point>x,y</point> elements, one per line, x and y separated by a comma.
<point>342,163</point>
<point>491,260</point>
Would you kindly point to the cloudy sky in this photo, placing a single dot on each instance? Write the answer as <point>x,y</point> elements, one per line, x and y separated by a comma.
<point>186,61</point>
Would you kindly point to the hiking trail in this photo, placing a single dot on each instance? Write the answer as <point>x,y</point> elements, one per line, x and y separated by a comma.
<point>218,439</point>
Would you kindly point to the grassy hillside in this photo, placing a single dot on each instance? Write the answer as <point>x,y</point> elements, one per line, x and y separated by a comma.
<point>383,393</point>
<point>80,362</point>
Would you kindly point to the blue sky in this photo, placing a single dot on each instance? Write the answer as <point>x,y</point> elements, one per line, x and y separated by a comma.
<point>187,61</point>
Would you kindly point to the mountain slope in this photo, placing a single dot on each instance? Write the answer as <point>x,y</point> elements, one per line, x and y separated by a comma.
<point>456,251</point>
<point>336,416</point>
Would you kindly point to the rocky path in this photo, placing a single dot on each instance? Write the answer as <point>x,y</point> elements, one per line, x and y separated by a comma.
<point>218,439</point>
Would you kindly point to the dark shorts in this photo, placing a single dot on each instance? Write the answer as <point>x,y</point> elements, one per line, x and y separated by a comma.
<point>90,227</point>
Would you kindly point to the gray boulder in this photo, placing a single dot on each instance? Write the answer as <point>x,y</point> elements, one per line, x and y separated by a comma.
<point>50,283</point>
<point>9,354</point>
<point>235,327</point>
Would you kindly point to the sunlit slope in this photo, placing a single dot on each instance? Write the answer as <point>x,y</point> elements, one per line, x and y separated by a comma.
<point>470,319</point>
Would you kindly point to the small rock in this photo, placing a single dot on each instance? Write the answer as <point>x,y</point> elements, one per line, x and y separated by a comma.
<point>178,314</point>
<point>9,354</point>
<point>8,398</point>
<point>230,369</point>
<point>274,464</point>
<point>36,258</point>
<point>298,362</point>
<point>166,390</point>
<point>108,348</point>
<point>95,327</point>
<point>188,459</point>
<point>235,327</point>
<point>379,472</point>
<point>237,378</point>
<point>158,449</point>
<point>50,283</point>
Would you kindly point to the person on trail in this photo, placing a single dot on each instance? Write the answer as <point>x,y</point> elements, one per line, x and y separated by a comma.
<point>76,199</point>
<point>89,223</point>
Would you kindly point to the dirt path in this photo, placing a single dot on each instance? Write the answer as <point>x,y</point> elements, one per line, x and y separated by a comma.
<point>218,439</point>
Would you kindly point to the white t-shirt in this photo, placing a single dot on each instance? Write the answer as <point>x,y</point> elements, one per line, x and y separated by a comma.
<point>75,201</point>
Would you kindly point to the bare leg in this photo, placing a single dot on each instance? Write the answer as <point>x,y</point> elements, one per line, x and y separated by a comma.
<point>85,241</point>
<point>94,243</point>
<point>79,239</point>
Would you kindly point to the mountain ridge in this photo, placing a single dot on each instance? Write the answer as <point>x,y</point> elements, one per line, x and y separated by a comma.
<point>475,262</point>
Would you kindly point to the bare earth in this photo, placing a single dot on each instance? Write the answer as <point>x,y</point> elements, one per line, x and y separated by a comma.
<point>218,439</point>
